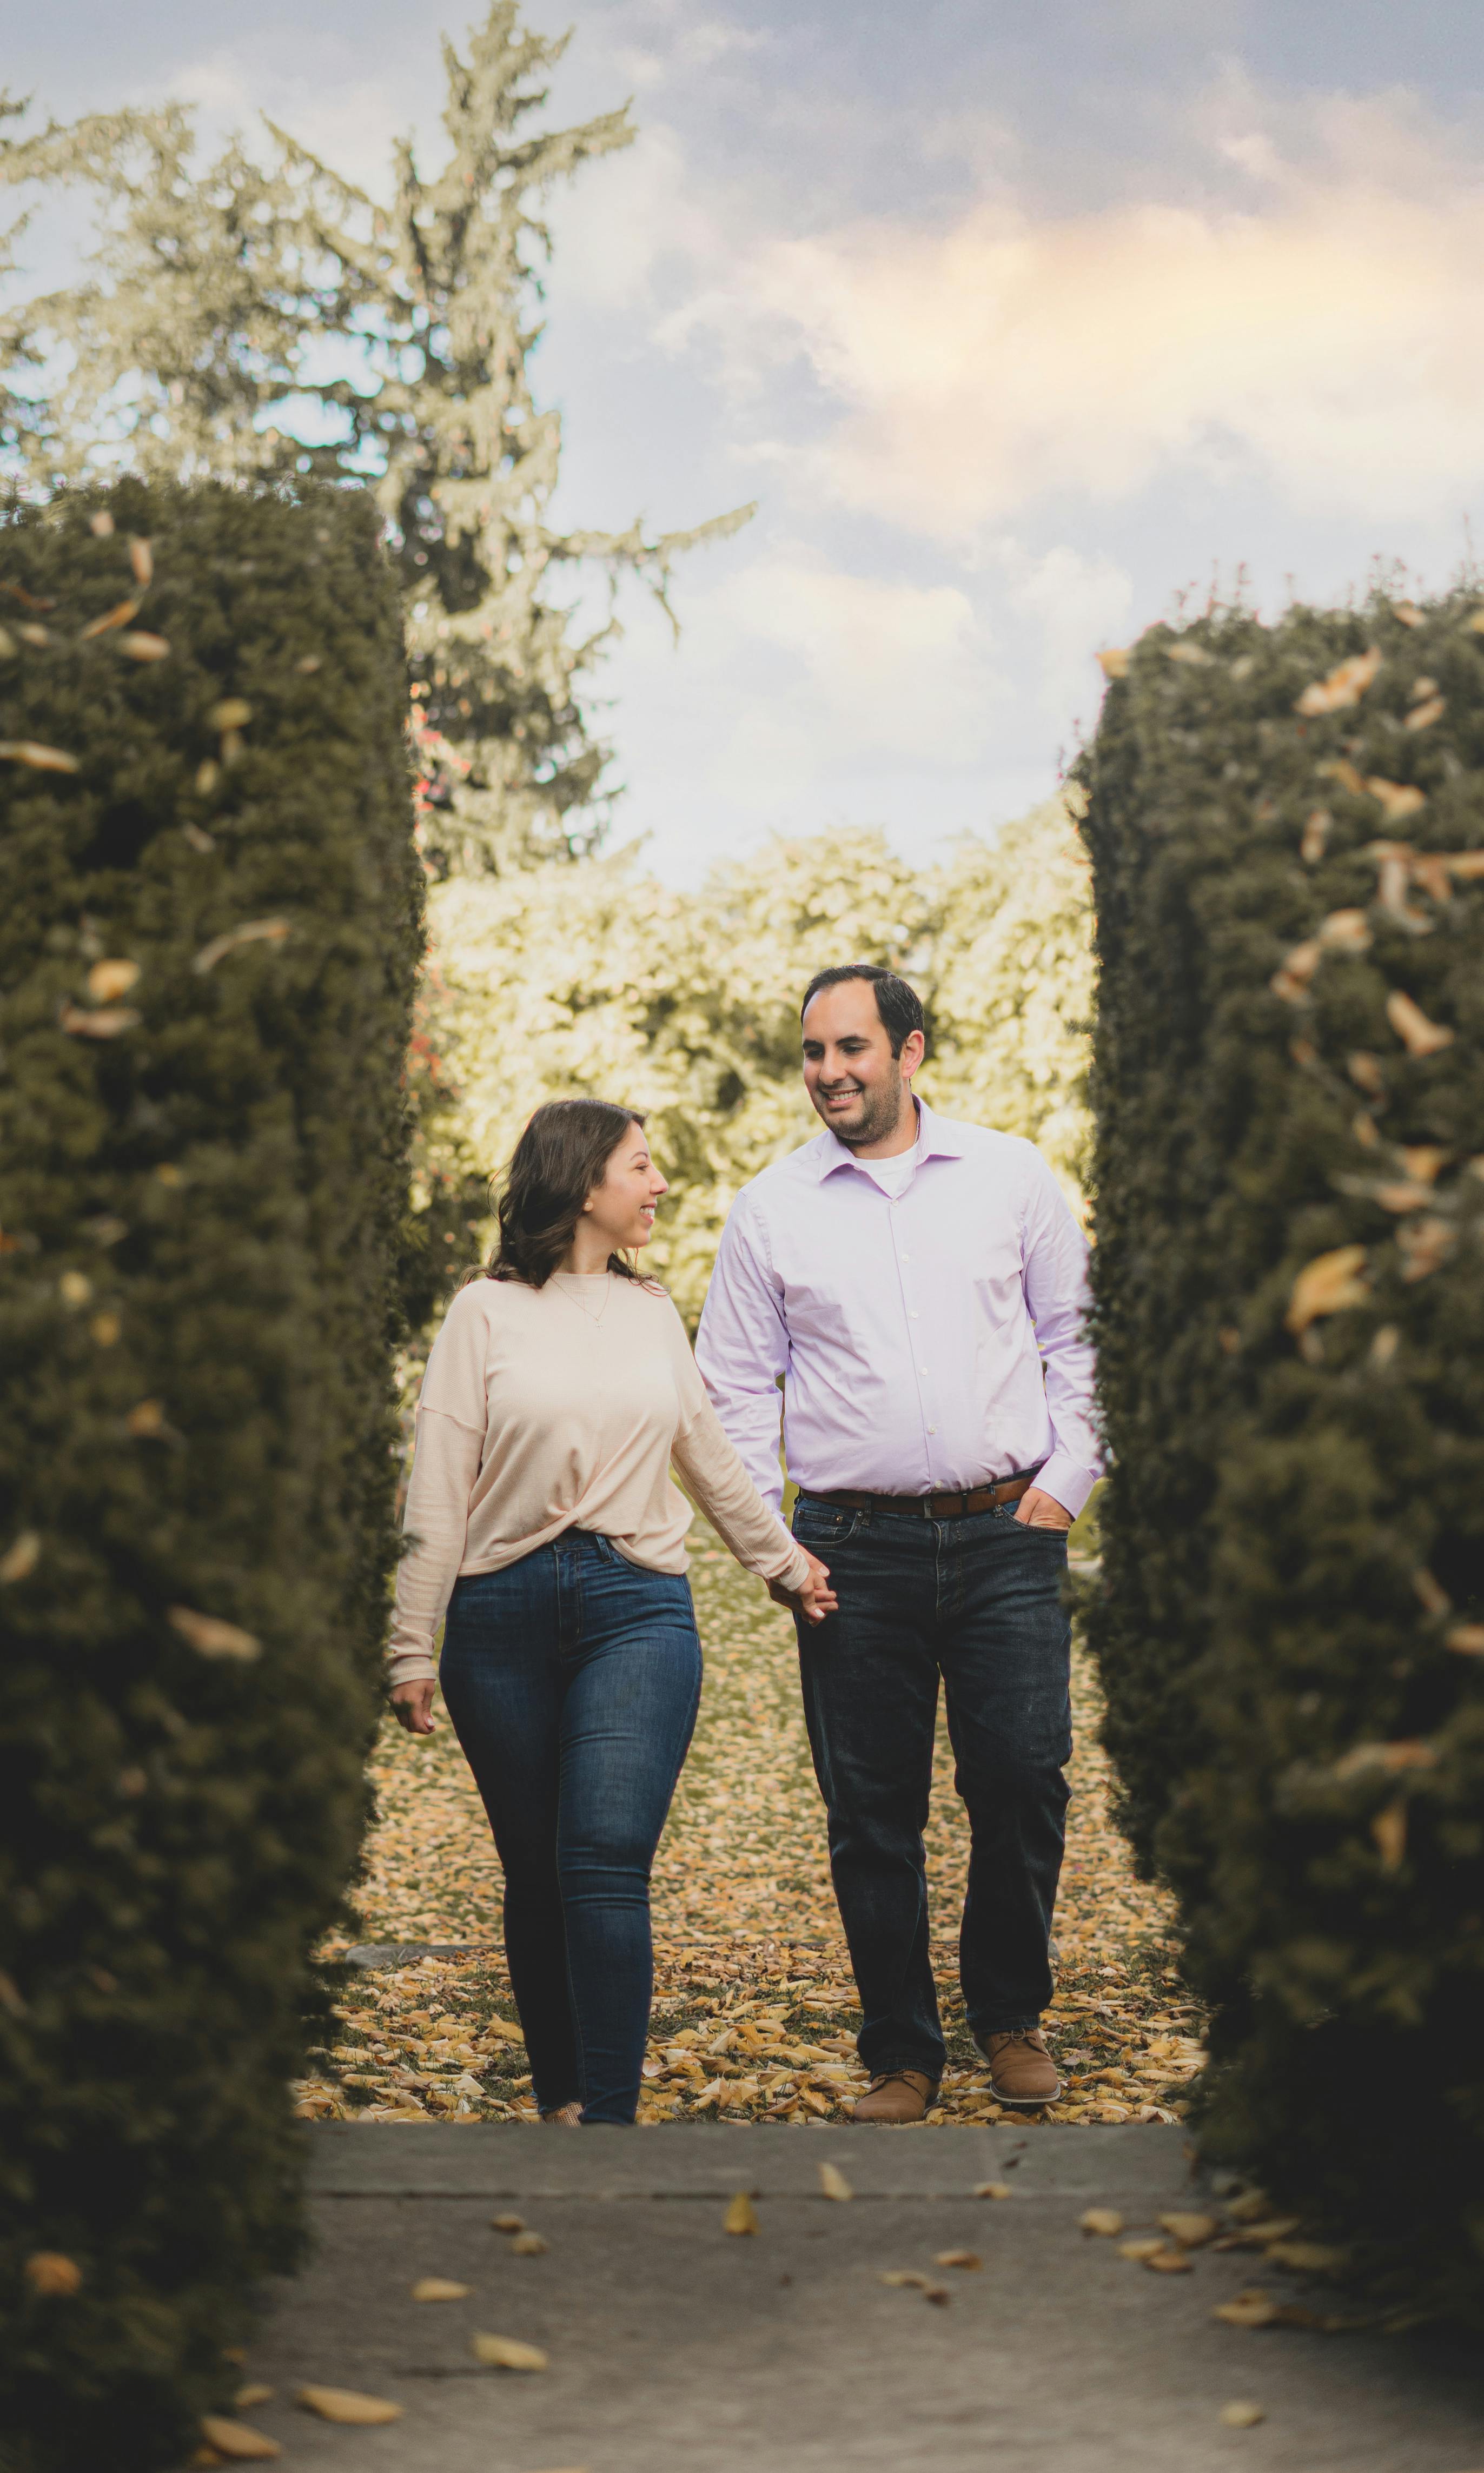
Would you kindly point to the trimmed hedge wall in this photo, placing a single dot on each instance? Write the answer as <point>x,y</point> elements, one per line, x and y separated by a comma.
<point>1287,832</point>
<point>210,925</point>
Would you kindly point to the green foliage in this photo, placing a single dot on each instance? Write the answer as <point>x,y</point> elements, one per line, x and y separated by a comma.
<point>1288,1064</point>
<point>222,301</point>
<point>204,1176</point>
<point>597,978</point>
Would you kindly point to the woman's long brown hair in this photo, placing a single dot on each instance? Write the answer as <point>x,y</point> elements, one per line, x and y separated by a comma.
<point>561,1155</point>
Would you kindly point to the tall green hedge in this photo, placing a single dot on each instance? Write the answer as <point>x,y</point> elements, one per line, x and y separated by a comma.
<point>209,924</point>
<point>1288,832</point>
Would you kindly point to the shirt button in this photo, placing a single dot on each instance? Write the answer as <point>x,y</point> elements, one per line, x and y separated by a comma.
<point>905,1257</point>
<point>912,1313</point>
<point>932,1430</point>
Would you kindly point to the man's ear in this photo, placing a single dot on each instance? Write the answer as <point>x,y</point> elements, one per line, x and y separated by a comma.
<point>914,1048</point>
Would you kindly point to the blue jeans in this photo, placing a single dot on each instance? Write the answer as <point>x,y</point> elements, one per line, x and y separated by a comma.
<point>978,1600</point>
<point>572,1678</point>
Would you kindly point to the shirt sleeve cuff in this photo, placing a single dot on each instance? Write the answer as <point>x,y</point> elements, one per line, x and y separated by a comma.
<point>1066,1483</point>
<point>410,1665</point>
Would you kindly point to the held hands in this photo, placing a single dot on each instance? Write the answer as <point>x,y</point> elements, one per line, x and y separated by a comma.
<point>413,1703</point>
<point>1037,1510</point>
<point>815,1599</point>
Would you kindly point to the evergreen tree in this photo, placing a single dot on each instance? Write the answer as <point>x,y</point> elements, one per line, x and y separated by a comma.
<point>220,302</point>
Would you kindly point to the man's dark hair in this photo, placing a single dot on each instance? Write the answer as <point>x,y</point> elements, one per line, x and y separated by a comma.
<point>898,1007</point>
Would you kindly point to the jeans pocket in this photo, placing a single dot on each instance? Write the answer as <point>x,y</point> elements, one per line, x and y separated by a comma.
<point>823,1528</point>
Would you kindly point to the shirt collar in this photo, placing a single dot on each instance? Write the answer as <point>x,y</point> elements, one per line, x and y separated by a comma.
<point>937,1138</point>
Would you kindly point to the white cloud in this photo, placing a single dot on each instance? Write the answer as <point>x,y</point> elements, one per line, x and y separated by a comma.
<point>1326,339</point>
<point>1076,601</point>
<point>844,669</point>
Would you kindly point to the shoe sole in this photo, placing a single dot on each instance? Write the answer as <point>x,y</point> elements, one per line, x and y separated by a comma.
<point>1028,2103</point>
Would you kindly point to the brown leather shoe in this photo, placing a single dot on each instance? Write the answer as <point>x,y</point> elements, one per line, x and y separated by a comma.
<point>897,2096</point>
<point>1022,2070</point>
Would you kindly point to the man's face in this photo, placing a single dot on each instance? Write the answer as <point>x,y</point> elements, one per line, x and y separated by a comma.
<point>856,1084</point>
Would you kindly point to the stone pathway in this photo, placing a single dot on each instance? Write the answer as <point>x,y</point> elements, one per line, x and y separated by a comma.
<point>676,2347</point>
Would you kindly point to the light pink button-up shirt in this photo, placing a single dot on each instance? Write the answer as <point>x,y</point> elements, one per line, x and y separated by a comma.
<point>927,1343</point>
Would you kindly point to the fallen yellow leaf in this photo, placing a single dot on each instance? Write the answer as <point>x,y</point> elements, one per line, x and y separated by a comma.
<point>1467,1639</point>
<point>741,2215</point>
<point>118,616</point>
<point>969,2260</point>
<point>257,931</point>
<point>1316,833</point>
<point>1418,1035</point>
<point>347,2405</point>
<point>55,2276</point>
<point>1250,2207</point>
<point>108,1023</point>
<point>1343,685</point>
<point>1388,1828</point>
<point>141,646</point>
<point>20,1560</point>
<point>508,2224</point>
<point>505,2353</point>
<point>991,2189</point>
<point>141,559</point>
<point>1311,2258</point>
<point>211,1638</point>
<point>1103,2220</point>
<point>247,2397</point>
<point>237,2442</point>
<point>1114,663</point>
<point>438,2288</point>
<point>1191,2231</point>
<point>1369,1760</point>
<point>1290,980</point>
<point>1346,931</point>
<point>1327,1285</point>
<point>1422,715</point>
<point>1256,2236</point>
<point>528,2245</point>
<point>41,759</point>
<point>1424,1246</point>
<point>106,980</point>
<point>1395,799</point>
<point>1242,2416</point>
<point>1251,2309</point>
<point>233,712</point>
<point>910,2279</point>
<point>1169,2262</point>
<point>1145,2246</point>
<point>833,2184</point>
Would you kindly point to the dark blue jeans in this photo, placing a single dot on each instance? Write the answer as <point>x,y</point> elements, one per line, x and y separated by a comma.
<point>978,1600</point>
<point>572,1678</point>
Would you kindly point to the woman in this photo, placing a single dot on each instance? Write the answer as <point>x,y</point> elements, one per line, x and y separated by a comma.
<point>541,1515</point>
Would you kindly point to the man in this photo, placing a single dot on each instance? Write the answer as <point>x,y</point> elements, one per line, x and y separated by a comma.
<point>920,1288</point>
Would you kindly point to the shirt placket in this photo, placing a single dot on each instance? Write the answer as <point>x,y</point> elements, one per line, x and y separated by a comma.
<point>910,1286</point>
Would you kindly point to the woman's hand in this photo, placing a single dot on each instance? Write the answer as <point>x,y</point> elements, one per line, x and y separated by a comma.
<point>814,1598</point>
<point>414,1706</point>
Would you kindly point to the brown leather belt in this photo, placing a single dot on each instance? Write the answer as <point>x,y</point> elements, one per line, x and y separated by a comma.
<point>935,1506</point>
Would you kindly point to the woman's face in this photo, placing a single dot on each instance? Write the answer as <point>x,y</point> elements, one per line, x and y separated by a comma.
<point>622,1208</point>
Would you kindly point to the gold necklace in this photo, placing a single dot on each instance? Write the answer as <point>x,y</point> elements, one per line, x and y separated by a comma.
<point>607,1289</point>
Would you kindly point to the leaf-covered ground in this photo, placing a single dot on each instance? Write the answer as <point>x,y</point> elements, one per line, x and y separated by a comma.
<point>755,2011</point>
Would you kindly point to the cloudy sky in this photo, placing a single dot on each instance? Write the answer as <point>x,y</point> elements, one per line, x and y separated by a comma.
<point>1025,320</point>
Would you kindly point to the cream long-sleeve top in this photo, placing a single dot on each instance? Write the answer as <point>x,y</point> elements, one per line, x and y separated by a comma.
<point>558,1407</point>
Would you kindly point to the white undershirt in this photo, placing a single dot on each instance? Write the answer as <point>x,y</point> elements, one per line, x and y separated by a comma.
<point>890,1174</point>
